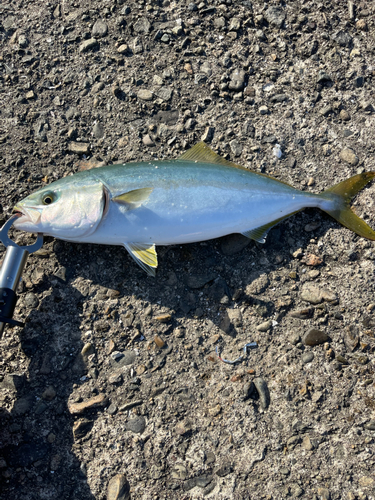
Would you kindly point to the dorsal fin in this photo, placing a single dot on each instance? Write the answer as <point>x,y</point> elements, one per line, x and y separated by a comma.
<point>203,154</point>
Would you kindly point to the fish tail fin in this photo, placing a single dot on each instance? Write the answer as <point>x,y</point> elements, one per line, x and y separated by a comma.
<point>341,194</point>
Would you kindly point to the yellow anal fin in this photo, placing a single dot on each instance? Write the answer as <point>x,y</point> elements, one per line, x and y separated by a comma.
<point>133,199</point>
<point>144,255</point>
<point>259,234</point>
<point>342,194</point>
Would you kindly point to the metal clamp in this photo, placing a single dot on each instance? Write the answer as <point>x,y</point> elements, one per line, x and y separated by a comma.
<point>11,271</point>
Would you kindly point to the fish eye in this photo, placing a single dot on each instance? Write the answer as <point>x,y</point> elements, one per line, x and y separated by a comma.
<point>48,198</point>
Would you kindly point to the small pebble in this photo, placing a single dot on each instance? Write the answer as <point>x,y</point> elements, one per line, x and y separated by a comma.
<point>49,394</point>
<point>341,359</point>
<point>87,45</point>
<point>147,141</point>
<point>213,412</point>
<point>116,377</point>
<point>370,425</point>
<point>81,148</point>
<point>248,389</point>
<point>344,115</point>
<point>123,48</point>
<point>264,327</point>
<point>366,482</point>
<point>145,95</point>
<point>326,110</point>
<point>188,68</point>
<point>237,80</point>
<point>349,156</point>
<point>307,444</point>
<point>98,131</point>
<point>180,472</point>
<point>313,274</point>
<point>263,391</point>
<point>315,337</point>
<point>23,41</point>
<point>361,25</point>
<point>136,425</point>
<point>296,490</point>
<point>81,427</point>
<point>307,357</point>
<point>275,16</point>
<point>235,147</point>
<point>116,355</point>
<point>302,313</point>
<point>164,93</point>
<point>208,134</point>
<point>312,260</point>
<point>159,341</point>
<point>314,295</point>
<point>118,488</point>
<point>77,408</point>
<point>183,427</point>
<point>324,494</point>
<point>297,254</point>
<point>31,300</point>
<point>140,370</point>
<point>236,377</point>
<point>294,338</point>
<point>163,318</point>
<point>97,87</point>
<point>99,29</point>
<point>157,80</point>
<point>366,106</point>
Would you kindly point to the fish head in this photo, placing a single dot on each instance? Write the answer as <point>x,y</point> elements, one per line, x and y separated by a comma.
<point>69,208</point>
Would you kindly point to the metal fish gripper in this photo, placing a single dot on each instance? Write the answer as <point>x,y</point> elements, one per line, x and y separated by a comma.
<point>10,273</point>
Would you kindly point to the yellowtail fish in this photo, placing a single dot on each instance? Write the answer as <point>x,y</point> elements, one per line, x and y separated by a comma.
<point>197,197</point>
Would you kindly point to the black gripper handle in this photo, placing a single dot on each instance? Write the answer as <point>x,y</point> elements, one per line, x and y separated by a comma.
<point>8,300</point>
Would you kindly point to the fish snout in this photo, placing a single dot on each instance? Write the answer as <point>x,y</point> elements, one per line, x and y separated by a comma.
<point>26,215</point>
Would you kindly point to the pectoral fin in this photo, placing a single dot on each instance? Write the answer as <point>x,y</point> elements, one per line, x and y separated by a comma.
<point>144,255</point>
<point>133,199</point>
<point>259,234</point>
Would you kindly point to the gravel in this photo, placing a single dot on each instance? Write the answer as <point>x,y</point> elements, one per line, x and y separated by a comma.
<point>113,388</point>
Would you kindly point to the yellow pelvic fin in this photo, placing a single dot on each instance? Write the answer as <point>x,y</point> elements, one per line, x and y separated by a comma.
<point>135,198</point>
<point>342,194</point>
<point>144,255</point>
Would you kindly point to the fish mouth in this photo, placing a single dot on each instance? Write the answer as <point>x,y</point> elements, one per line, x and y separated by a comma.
<point>26,215</point>
<point>18,212</point>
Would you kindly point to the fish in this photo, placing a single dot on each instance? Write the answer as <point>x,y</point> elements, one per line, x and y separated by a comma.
<point>198,196</point>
